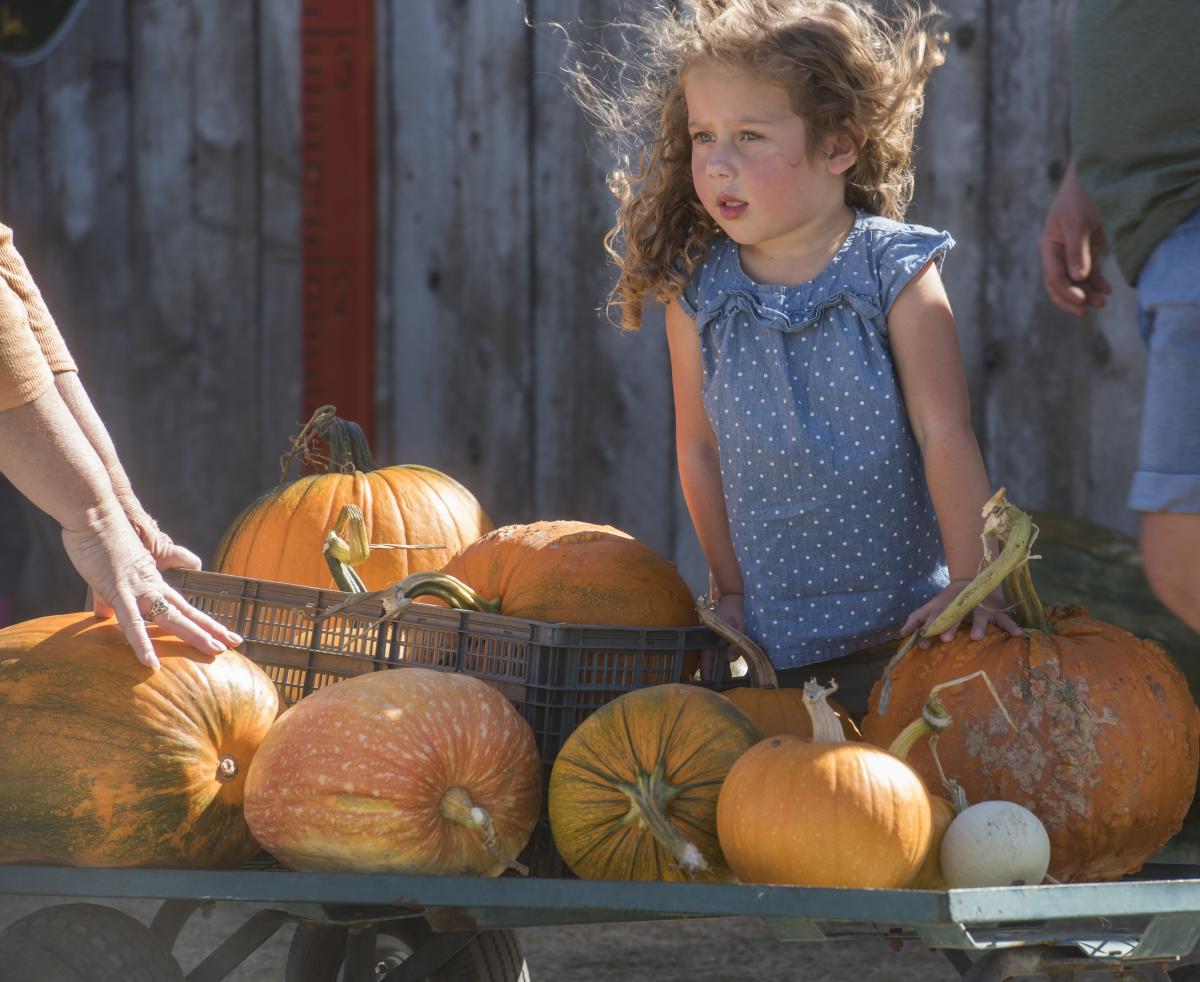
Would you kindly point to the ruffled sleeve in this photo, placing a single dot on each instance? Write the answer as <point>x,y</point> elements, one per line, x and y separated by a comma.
<point>903,254</point>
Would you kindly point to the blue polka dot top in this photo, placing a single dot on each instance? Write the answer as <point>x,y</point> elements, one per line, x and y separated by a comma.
<point>832,522</point>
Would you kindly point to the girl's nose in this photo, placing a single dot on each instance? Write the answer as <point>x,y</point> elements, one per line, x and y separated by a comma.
<point>719,164</point>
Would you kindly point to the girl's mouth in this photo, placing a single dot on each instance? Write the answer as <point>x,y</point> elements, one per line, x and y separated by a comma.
<point>730,207</point>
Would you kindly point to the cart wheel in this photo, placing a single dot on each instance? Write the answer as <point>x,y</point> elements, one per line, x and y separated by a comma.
<point>318,950</point>
<point>83,943</point>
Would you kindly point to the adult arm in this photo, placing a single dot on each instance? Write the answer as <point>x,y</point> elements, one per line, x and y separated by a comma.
<point>47,458</point>
<point>700,462</point>
<point>929,366</point>
<point>166,553</point>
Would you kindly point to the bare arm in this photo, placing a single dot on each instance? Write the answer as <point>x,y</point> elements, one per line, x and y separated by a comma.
<point>166,554</point>
<point>929,366</point>
<point>49,460</point>
<point>699,460</point>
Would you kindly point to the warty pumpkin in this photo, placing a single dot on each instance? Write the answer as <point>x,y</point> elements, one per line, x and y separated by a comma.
<point>826,812</point>
<point>633,791</point>
<point>279,536</point>
<point>1107,739</point>
<point>405,771</point>
<point>106,763</point>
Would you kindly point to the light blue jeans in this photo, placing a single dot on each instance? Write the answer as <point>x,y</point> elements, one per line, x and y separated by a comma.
<point>1168,474</point>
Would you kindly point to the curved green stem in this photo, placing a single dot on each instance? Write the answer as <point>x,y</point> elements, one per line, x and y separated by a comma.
<point>447,588</point>
<point>1014,529</point>
<point>648,800</point>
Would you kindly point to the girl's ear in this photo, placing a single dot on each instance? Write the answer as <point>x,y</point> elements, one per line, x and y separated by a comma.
<point>842,149</point>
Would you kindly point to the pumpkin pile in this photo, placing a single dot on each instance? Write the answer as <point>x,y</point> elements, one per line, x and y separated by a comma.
<point>104,762</point>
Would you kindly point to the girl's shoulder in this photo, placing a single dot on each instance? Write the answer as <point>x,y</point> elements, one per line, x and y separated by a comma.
<point>894,252</point>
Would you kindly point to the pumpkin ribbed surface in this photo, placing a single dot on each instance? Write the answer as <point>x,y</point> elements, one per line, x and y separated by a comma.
<point>633,792</point>
<point>279,536</point>
<point>823,814</point>
<point>576,573</point>
<point>105,763</point>
<point>1106,744</point>
<point>376,774</point>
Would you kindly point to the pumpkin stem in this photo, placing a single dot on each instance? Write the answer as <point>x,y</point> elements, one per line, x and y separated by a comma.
<point>447,588</point>
<point>348,447</point>
<point>935,719</point>
<point>456,806</point>
<point>227,769</point>
<point>759,669</point>
<point>826,726</point>
<point>958,796</point>
<point>1015,530</point>
<point>648,800</point>
<point>347,546</point>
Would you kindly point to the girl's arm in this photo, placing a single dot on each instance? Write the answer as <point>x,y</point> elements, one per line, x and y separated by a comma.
<point>929,367</point>
<point>699,460</point>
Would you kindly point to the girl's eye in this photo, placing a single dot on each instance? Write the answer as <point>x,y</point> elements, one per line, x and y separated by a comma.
<point>749,135</point>
<point>702,137</point>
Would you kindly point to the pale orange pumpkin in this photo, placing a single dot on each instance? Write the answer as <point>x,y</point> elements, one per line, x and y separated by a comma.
<point>825,812</point>
<point>104,762</point>
<point>633,792</point>
<point>279,536</point>
<point>406,771</point>
<point>1107,737</point>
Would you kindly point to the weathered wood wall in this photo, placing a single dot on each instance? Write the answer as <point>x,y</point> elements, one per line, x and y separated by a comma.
<point>151,173</point>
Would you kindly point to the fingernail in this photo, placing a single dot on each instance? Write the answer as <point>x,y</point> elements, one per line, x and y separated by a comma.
<point>152,663</point>
<point>977,634</point>
<point>236,639</point>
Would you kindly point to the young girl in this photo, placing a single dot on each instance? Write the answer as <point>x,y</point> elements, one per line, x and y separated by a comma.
<point>822,424</point>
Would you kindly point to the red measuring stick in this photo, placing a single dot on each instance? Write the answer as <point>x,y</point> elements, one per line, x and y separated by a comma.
<point>337,209</point>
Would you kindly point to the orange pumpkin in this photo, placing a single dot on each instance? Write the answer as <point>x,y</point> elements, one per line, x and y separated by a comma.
<point>633,792</point>
<point>826,812</point>
<point>1107,737</point>
<point>782,711</point>
<point>579,573</point>
<point>406,771</point>
<point>930,875</point>
<point>279,536</point>
<point>106,763</point>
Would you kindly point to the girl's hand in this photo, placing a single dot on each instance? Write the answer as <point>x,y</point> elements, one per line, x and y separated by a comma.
<point>990,611</point>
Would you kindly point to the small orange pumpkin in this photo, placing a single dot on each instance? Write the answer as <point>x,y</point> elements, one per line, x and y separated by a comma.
<point>633,792</point>
<point>782,711</point>
<point>826,812</point>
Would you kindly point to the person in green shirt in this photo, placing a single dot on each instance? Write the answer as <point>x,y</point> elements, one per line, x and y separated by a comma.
<point>1133,186</point>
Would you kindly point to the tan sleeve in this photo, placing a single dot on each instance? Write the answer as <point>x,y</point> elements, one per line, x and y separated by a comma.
<point>31,349</point>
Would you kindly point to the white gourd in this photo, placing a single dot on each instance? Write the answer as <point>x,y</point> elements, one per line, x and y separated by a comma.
<point>995,844</point>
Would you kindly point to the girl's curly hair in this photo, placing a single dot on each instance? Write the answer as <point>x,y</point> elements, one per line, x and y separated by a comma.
<point>847,68</point>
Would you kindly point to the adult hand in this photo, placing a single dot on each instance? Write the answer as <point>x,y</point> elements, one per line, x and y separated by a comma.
<point>1070,246</point>
<point>991,611</point>
<point>126,583</point>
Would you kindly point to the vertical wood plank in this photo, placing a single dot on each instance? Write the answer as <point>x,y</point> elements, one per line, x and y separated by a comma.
<point>278,364</point>
<point>1037,394</point>
<point>603,411</point>
<point>950,191</point>
<point>457,237</point>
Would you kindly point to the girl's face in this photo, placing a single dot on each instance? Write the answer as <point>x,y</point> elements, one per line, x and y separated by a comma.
<point>751,163</point>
